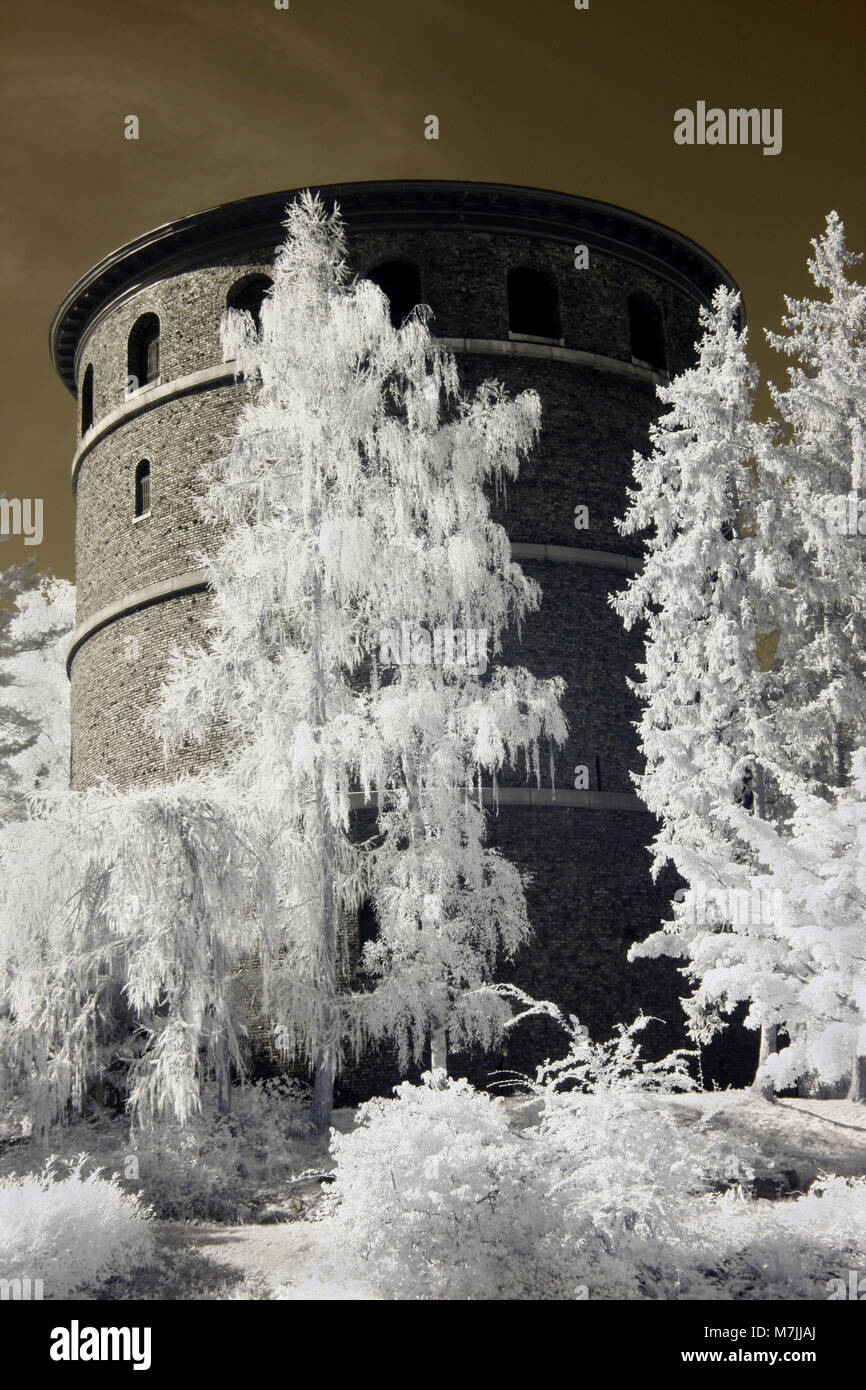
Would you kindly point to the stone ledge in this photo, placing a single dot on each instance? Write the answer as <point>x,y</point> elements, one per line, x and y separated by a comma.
<point>148,397</point>
<point>574,555</point>
<point>498,347</point>
<point>540,796</point>
<point>195,579</point>
<point>224,375</point>
<point>141,598</point>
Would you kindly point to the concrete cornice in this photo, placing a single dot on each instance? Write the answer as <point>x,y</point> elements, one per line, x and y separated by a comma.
<point>575,555</point>
<point>538,796</point>
<point>224,375</point>
<point>252,224</point>
<point>552,352</point>
<point>187,583</point>
<point>193,580</point>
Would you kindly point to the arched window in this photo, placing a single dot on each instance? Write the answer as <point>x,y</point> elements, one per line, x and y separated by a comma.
<point>142,488</point>
<point>142,352</point>
<point>87,401</point>
<point>645,330</point>
<point>533,303</point>
<point>368,923</point>
<point>247,296</point>
<point>401,285</point>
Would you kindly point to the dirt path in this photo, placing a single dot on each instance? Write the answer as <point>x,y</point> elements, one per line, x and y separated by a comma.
<point>290,1261</point>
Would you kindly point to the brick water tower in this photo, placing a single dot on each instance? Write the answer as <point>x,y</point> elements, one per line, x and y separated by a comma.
<point>588,304</point>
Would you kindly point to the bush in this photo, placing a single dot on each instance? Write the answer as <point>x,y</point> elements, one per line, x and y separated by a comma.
<point>214,1168</point>
<point>434,1189</point>
<point>74,1232</point>
<point>209,1168</point>
<point>605,1188</point>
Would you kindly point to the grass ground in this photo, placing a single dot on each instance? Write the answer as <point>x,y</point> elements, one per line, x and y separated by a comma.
<point>292,1259</point>
<point>281,1250</point>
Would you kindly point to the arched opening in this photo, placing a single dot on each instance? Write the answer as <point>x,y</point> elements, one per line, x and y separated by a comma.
<point>246,296</point>
<point>142,488</point>
<point>368,923</point>
<point>142,354</point>
<point>533,303</point>
<point>87,401</point>
<point>646,332</point>
<point>401,285</point>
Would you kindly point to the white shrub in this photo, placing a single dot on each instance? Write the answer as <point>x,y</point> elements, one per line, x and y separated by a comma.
<point>607,1187</point>
<point>775,1250</point>
<point>73,1232</point>
<point>438,1193</point>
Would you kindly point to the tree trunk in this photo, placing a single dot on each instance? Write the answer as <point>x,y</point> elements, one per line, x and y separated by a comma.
<point>769,1031</point>
<point>325,1064</point>
<point>438,1049</point>
<point>438,1035</point>
<point>769,1034</point>
<point>325,1067</point>
<point>224,1079</point>
<point>857,1089</point>
<point>323,1089</point>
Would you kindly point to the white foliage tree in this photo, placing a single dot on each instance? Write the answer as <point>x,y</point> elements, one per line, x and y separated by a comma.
<point>701,685</point>
<point>812,526</point>
<point>36,623</point>
<point>811,589</point>
<point>351,501</point>
<point>121,919</point>
<point>815,868</point>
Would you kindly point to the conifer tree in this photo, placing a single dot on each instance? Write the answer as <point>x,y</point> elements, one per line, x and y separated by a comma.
<point>813,476</point>
<point>701,685</point>
<point>811,590</point>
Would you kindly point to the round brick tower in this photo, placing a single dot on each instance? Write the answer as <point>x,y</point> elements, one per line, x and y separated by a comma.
<point>588,304</point>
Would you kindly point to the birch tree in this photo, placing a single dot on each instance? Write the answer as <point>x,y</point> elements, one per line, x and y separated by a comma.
<point>351,506</point>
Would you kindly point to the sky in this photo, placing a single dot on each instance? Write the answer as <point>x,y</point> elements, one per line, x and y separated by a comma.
<point>236,97</point>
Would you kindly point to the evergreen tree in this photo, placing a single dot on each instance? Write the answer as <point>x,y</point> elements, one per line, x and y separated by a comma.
<point>811,548</point>
<point>701,685</point>
<point>815,871</point>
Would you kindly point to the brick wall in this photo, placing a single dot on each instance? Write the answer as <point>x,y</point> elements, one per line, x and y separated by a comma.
<point>592,894</point>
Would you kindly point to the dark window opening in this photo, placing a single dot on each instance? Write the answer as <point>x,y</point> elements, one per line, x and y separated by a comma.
<point>401,285</point>
<point>533,303</point>
<point>87,401</point>
<point>143,352</point>
<point>248,295</point>
<point>142,488</point>
<point>645,329</point>
<point>368,923</point>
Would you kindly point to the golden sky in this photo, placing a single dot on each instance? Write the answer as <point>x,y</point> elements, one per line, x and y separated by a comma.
<point>236,97</point>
